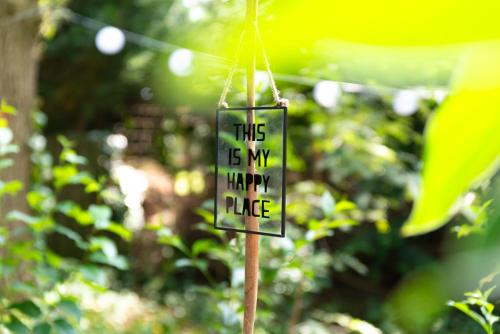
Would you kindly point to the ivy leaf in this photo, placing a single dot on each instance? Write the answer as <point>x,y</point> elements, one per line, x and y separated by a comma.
<point>462,142</point>
<point>65,142</point>
<point>107,246</point>
<point>73,210</point>
<point>11,187</point>
<point>63,175</point>
<point>70,156</point>
<point>41,199</point>
<point>6,163</point>
<point>70,234</point>
<point>101,215</point>
<point>119,230</point>
<point>21,216</point>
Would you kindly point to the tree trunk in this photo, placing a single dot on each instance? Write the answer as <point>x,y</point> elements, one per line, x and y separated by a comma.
<point>19,33</point>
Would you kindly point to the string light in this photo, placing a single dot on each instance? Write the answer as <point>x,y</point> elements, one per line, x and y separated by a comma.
<point>439,93</point>
<point>180,62</point>
<point>405,102</point>
<point>110,40</point>
<point>327,94</point>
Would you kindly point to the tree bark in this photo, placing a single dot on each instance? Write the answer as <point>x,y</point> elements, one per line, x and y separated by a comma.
<point>19,42</point>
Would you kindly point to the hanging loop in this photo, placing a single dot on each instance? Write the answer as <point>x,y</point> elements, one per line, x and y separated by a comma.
<point>281,102</point>
<point>274,89</point>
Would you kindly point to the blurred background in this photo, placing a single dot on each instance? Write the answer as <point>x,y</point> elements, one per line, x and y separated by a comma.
<point>107,136</point>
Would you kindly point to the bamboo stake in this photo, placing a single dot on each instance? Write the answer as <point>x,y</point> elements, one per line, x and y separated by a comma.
<point>251,223</point>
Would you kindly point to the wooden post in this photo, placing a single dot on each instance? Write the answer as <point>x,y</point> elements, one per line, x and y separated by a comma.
<point>251,223</point>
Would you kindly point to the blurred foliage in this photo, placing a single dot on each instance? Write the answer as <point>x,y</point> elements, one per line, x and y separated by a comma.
<point>353,174</point>
<point>32,273</point>
<point>478,299</point>
<point>466,122</point>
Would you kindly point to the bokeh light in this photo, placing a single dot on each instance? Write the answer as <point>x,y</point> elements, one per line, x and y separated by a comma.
<point>6,136</point>
<point>405,102</point>
<point>117,141</point>
<point>110,40</point>
<point>327,94</point>
<point>180,62</point>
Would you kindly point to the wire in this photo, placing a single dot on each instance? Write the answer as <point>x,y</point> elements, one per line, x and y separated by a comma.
<point>163,46</point>
<point>166,47</point>
<point>135,38</point>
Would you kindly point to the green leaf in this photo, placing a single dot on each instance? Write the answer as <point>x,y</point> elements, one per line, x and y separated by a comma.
<point>65,142</point>
<point>6,108</point>
<point>20,216</point>
<point>344,205</point>
<point>63,175</point>
<point>63,327</point>
<point>118,261</point>
<point>11,187</point>
<point>203,246</point>
<point>42,328</point>
<point>8,149</point>
<point>183,263</point>
<point>471,314</point>
<point>120,231</point>
<point>23,288</point>
<point>16,326</point>
<point>101,215</point>
<point>93,274</point>
<point>462,142</point>
<point>53,259</point>
<point>69,307</point>
<point>69,233</point>
<point>166,237</point>
<point>70,156</point>
<point>328,204</point>
<point>27,307</point>
<point>207,216</point>
<point>41,199</point>
<point>39,224</point>
<point>86,179</point>
<point>6,163</point>
<point>39,118</point>
<point>107,246</point>
<point>73,210</point>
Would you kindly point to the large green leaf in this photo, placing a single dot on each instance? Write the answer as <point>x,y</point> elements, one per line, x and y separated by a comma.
<point>462,141</point>
<point>27,307</point>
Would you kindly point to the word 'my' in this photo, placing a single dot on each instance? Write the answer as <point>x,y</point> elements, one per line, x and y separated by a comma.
<point>259,156</point>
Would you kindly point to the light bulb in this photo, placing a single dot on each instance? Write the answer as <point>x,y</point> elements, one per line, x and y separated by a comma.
<point>110,40</point>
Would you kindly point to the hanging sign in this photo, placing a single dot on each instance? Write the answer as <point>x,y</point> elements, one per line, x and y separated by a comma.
<point>250,170</point>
